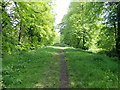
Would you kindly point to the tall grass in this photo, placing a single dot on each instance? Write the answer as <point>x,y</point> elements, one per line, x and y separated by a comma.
<point>89,70</point>
<point>34,69</point>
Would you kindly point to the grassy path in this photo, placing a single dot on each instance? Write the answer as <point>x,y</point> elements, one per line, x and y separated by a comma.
<point>46,68</point>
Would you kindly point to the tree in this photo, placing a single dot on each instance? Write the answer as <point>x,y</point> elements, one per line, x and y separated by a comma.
<point>91,25</point>
<point>29,25</point>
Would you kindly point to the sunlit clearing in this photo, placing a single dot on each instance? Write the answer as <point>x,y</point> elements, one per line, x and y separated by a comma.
<point>39,85</point>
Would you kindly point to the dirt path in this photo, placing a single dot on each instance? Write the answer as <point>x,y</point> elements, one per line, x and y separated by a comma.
<point>64,81</point>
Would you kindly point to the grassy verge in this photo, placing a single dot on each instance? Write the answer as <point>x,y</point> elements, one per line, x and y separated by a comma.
<point>88,70</point>
<point>34,69</point>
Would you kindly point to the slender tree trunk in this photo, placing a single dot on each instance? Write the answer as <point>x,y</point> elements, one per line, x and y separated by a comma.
<point>78,42</point>
<point>118,32</point>
<point>115,33</point>
<point>83,38</point>
<point>19,33</point>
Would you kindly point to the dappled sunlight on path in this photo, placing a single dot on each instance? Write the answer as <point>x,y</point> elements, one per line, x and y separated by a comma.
<point>58,47</point>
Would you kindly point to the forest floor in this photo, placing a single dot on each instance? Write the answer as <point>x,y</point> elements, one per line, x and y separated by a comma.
<point>60,67</point>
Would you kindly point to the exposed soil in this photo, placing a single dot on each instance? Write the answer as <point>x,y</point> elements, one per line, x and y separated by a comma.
<point>64,81</point>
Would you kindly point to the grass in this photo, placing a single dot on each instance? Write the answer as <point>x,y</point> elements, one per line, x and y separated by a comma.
<point>89,70</point>
<point>0,73</point>
<point>34,69</point>
<point>41,69</point>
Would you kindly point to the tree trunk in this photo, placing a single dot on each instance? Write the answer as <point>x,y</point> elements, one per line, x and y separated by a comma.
<point>118,32</point>
<point>19,33</point>
<point>83,38</point>
<point>78,42</point>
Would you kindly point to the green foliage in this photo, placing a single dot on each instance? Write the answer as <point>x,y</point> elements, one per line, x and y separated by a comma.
<point>89,70</point>
<point>34,69</point>
<point>26,26</point>
<point>90,25</point>
<point>29,26</point>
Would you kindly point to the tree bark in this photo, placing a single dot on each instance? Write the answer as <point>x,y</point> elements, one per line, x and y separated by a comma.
<point>78,42</point>
<point>83,38</point>
<point>19,32</point>
<point>118,31</point>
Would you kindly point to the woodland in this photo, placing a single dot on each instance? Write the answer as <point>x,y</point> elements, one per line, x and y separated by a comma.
<point>86,54</point>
